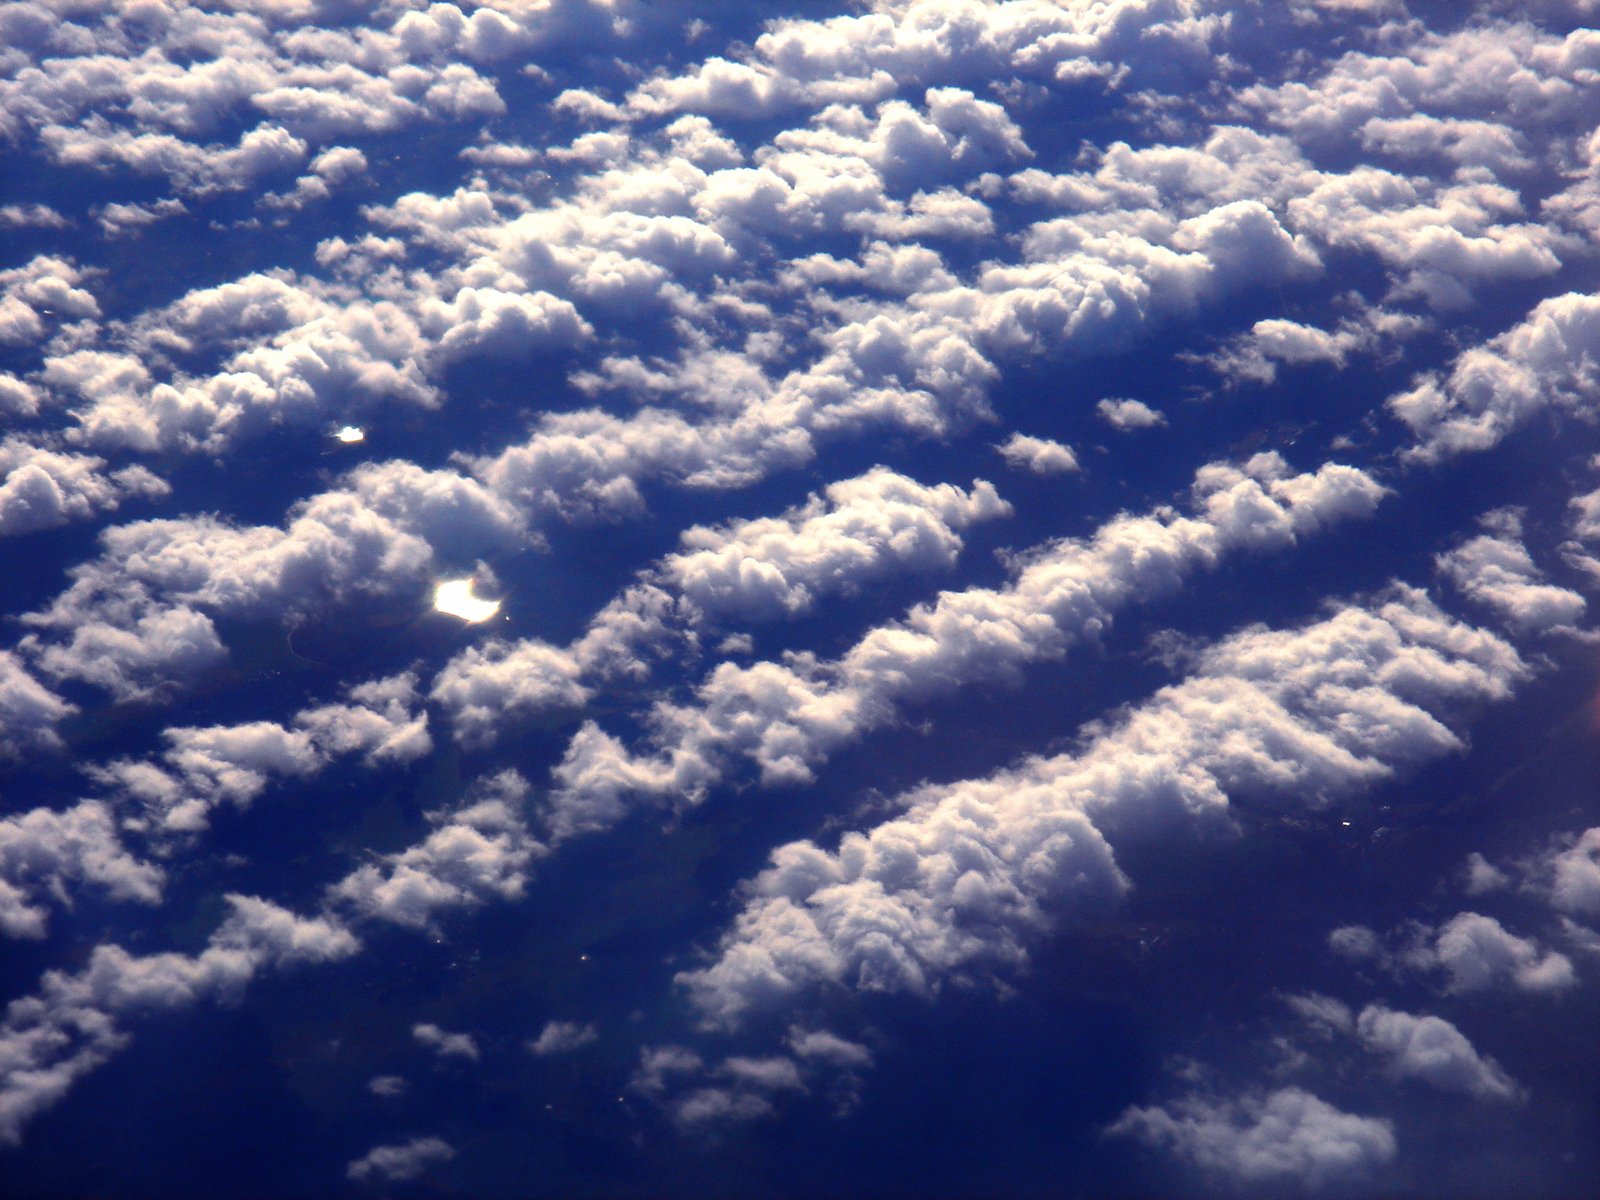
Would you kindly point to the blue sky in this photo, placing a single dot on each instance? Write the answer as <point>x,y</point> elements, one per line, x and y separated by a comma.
<point>932,598</point>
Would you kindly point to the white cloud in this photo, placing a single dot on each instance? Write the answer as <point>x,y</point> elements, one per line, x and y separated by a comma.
<point>478,851</point>
<point>1128,414</point>
<point>957,885</point>
<point>1039,455</point>
<point>138,619</point>
<point>858,531</point>
<point>204,768</point>
<point>1495,570</point>
<point>29,711</point>
<point>39,296</point>
<point>1286,1138</point>
<point>788,717</point>
<point>388,1086</point>
<point>1434,1051</point>
<point>68,1027</point>
<point>400,1162</point>
<point>1475,952</point>
<point>563,1037</point>
<point>444,1043</point>
<point>1547,361</point>
<point>1574,874</point>
<point>43,849</point>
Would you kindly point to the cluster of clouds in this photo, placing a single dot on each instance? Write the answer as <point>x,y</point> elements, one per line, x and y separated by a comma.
<point>790,716</point>
<point>850,228</point>
<point>47,853</point>
<point>955,887</point>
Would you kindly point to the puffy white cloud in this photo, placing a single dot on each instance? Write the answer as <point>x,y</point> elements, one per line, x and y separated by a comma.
<point>1475,952</point>
<point>1495,569</point>
<point>1128,414</point>
<point>956,885</point>
<point>138,618</point>
<point>478,851</point>
<point>859,530</point>
<point>485,686</point>
<point>1039,455</point>
<point>41,488</point>
<point>926,42</point>
<point>444,1043</point>
<point>388,1086</point>
<point>1274,341</point>
<point>204,768</point>
<point>1570,873</point>
<point>562,1037</point>
<point>400,1162</point>
<point>1434,1051</point>
<point>192,168</point>
<point>1514,71</point>
<point>29,711</point>
<point>40,295</point>
<point>1286,1138</point>
<point>1547,361</point>
<point>788,717</point>
<point>41,850</point>
<point>383,722</point>
<point>68,1027</point>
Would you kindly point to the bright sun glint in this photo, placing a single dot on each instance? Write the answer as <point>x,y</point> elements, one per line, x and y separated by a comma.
<point>457,599</point>
<point>350,434</point>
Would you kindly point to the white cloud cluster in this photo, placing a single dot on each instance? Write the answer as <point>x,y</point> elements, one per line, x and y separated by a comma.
<point>790,716</point>
<point>400,1162</point>
<point>41,488</point>
<point>563,1037</point>
<point>1495,570</point>
<point>29,711</point>
<point>1125,414</point>
<point>1546,362</point>
<point>204,768</point>
<point>98,85</point>
<point>698,1093</point>
<point>1475,952</point>
<point>69,1026</point>
<point>958,884</point>
<point>1039,455</point>
<point>1285,1138</point>
<point>1275,342</point>
<point>42,850</point>
<point>858,531</point>
<point>478,851</point>
<point>810,63</point>
<point>41,295</point>
<point>138,618</point>
<point>1434,1051</point>
<point>1426,1048</point>
<point>444,1043</point>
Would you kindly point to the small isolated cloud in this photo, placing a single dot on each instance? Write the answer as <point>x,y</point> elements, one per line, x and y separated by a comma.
<point>1475,953</point>
<point>444,1043</point>
<point>400,1162</point>
<point>563,1037</point>
<point>388,1087</point>
<point>1128,415</point>
<point>1039,455</point>
<point>1288,1138</point>
<point>1434,1051</point>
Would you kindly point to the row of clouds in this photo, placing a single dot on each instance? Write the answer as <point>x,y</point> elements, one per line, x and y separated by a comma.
<point>1140,234</point>
<point>683,224</point>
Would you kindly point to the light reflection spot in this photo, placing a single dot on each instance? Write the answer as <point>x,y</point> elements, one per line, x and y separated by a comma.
<point>457,598</point>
